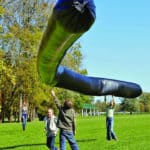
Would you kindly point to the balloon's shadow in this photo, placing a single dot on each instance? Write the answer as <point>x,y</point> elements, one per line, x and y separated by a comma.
<point>22,145</point>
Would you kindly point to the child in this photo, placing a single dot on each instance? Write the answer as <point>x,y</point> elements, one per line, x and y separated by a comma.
<point>51,129</point>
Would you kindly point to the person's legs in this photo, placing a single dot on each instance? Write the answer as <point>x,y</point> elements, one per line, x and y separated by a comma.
<point>113,135</point>
<point>112,131</point>
<point>24,123</point>
<point>71,140</point>
<point>108,127</point>
<point>48,141</point>
<point>51,142</point>
<point>62,140</point>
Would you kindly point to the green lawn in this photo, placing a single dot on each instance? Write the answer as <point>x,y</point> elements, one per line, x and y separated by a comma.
<point>133,133</point>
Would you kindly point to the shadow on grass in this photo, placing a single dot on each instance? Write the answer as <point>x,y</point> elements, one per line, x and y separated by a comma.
<point>86,140</point>
<point>23,145</point>
<point>40,144</point>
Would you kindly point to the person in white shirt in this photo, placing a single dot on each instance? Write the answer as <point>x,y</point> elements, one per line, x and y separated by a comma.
<point>51,129</point>
<point>110,120</point>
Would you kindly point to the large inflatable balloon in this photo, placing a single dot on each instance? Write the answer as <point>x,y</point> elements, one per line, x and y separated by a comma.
<point>68,21</point>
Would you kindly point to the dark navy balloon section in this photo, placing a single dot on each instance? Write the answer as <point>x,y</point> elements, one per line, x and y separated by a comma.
<point>95,86</point>
<point>68,21</point>
<point>75,16</point>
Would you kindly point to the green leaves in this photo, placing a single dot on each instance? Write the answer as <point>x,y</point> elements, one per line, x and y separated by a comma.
<point>2,10</point>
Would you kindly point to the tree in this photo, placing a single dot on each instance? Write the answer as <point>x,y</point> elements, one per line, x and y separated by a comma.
<point>145,102</point>
<point>7,81</point>
<point>131,105</point>
<point>22,27</point>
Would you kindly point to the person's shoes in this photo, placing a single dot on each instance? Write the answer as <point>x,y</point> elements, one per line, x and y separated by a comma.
<point>107,139</point>
<point>115,139</point>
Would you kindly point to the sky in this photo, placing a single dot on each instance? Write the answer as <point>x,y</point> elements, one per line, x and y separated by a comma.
<point>117,46</point>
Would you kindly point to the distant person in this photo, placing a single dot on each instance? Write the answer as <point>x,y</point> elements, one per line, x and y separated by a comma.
<point>51,129</point>
<point>110,120</point>
<point>24,116</point>
<point>66,123</point>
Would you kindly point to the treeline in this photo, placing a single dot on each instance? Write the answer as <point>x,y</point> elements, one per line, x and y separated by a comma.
<point>22,23</point>
<point>140,104</point>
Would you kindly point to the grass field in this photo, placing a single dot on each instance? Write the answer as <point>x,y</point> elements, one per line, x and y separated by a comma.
<point>133,132</point>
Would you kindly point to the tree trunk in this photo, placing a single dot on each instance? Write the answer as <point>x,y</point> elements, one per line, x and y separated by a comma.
<point>11,114</point>
<point>20,108</point>
<point>2,108</point>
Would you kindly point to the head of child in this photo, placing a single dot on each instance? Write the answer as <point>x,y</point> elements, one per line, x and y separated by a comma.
<point>68,104</point>
<point>50,112</point>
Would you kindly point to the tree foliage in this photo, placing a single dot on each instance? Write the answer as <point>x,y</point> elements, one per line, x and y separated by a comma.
<point>131,105</point>
<point>23,22</point>
<point>145,102</point>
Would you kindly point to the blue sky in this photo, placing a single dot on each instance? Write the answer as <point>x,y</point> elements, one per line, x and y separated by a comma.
<point>118,44</point>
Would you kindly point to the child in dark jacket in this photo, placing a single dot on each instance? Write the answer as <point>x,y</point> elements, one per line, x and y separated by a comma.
<point>66,123</point>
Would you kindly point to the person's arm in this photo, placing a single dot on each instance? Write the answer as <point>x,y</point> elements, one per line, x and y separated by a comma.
<point>56,130</point>
<point>105,101</point>
<point>56,100</point>
<point>74,124</point>
<point>113,100</point>
<point>45,124</point>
